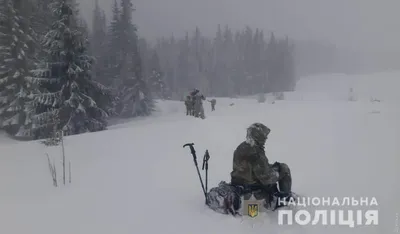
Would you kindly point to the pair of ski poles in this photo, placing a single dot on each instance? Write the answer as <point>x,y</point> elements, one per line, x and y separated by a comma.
<point>205,166</point>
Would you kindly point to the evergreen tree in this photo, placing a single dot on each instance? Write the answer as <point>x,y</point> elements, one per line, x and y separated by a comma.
<point>16,52</point>
<point>127,33</point>
<point>71,101</point>
<point>183,67</point>
<point>98,43</point>
<point>272,64</point>
<point>41,20</point>
<point>156,78</point>
<point>146,54</point>
<point>113,49</point>
<point>135,97</point>
<point>41,17</point>
<point>228,56</point>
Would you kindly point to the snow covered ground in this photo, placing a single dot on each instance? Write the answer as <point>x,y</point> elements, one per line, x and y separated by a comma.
<point>137,178</point>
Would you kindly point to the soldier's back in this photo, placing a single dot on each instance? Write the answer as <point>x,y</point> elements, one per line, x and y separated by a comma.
<point>242,170</point>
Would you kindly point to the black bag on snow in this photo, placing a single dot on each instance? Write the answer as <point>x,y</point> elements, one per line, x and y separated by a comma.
<point>225,199</point>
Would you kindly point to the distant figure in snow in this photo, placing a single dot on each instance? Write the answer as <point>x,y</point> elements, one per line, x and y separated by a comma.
<point>351,97</point>
<point>189,105</point>
<point>198,104</point>
<point>194,92</point>
<point>213,102</point>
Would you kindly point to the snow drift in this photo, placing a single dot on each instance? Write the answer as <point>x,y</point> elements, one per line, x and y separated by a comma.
<point>137,178</point>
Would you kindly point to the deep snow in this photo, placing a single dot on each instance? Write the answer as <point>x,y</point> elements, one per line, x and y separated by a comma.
<point>137,178</point>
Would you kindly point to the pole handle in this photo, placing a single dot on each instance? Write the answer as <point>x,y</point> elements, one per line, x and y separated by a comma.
<point>192,150</point>
<point>205,160</point>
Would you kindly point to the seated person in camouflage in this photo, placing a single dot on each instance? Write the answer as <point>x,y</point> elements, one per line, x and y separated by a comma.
<point>251,168</point>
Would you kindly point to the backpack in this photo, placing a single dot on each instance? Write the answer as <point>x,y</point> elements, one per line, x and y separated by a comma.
<point>225,199</point>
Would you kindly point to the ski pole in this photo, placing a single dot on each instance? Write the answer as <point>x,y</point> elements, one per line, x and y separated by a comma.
<point>205,164</point>
<point>197,167</point>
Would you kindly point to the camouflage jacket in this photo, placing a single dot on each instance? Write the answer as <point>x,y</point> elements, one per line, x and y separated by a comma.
<point>251,166</point>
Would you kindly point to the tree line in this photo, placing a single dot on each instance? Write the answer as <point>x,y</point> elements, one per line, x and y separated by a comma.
<point>57,73</point>
<point>233,63</point>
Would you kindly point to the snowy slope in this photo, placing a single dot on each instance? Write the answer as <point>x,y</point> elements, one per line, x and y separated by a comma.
<point>137,178</point>
<point>336,87</point>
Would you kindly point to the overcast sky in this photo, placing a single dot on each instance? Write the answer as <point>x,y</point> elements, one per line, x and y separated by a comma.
<point>364,24</point>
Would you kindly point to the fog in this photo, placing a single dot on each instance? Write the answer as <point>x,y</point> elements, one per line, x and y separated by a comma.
<point>364,33</point>
<point>360,24</point>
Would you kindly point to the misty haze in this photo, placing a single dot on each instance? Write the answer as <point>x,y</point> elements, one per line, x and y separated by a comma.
<point>189,116</point>
<point>337,36</point>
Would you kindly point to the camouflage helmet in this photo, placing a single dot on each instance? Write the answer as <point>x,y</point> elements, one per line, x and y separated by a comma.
<point>257,134</point>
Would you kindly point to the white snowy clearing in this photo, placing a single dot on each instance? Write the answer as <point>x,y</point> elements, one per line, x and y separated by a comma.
<point>137,178</point>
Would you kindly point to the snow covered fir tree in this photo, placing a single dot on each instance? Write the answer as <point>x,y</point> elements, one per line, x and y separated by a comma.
<point>121,56</point>
<point>155,78</point>
<point>71,101</point>
<point>16,53</point>
<point>135,98</point>
<point>58,74</point>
